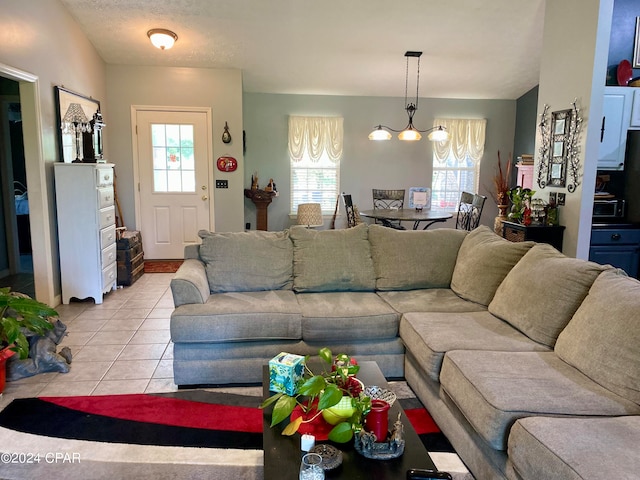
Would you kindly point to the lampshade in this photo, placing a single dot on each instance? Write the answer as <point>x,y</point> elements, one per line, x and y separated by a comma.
<point>162,38</point>
<point>379,134</point>
<point>409,134</point>
<point>439,134</point>
<point>75,120</point>
<point>310,214</point>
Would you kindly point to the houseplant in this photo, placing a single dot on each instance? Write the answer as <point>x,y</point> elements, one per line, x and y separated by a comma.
<point>20,314</point>
<point>335,394</point>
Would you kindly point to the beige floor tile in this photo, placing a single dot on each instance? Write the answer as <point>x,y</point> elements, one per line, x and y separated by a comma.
<point>164,369</point>
<point>161,312</point>
<point>140,303</point>
<point>85,325</point>
<point>84,371</point>
<point>155,324</point>
<point>151,336</point>
<point>96,314</point>
<point>168,353</point>
<point>121,387</point>
<point>132,313</point>
<point>69,389</point>
<point>119,324</point>
<point>111,337</point>
<point>40,378</point>
<point>165,303</point>
<point>11,390</point>
<point>131,369</point>
<point>74,338</point>
<point>161,385</point>
<point>98,353</point>
<point>150,351</point>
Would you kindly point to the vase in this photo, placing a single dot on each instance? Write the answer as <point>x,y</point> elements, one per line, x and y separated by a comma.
<point>502,216</point>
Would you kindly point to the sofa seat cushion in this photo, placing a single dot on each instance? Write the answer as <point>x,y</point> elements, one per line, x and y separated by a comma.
<point>561,285</point>
<point>332,260</point>
<point>346,316</point>
<point>493,389</point>
<point>240,316</point>
<point>603,337</point>
<point>406,260</point>
<point>428,336</point>
<point>429,300</point>
<point>575,448</point>
<point>247,261</point>
<point>484,260</point>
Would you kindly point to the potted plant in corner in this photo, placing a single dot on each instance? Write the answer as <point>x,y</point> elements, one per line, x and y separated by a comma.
<point>20,314</point>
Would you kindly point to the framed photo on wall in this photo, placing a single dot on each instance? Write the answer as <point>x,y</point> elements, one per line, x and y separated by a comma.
<point>636,45</point>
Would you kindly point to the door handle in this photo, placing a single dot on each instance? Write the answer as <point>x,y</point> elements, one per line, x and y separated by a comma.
<point>204,197</point>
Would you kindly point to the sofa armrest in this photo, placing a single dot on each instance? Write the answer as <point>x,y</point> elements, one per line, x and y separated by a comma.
<point>190,284</point>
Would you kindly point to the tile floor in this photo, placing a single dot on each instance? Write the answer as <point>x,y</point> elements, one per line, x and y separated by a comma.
<point>120,346</point>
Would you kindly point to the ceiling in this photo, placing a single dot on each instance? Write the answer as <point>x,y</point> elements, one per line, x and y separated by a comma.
<point>472,49</point>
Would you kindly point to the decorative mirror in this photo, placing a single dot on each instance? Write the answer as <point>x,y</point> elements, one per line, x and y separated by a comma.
<point>79,127</point>
<point>559,148</point>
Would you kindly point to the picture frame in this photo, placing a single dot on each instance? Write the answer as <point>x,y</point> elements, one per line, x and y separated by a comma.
<point>90,142</point>
<point>420,197</point>
<point>636,46</point>
<point>557,168</point>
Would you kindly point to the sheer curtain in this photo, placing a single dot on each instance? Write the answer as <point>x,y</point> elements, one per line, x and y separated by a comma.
<point>315,136</point>
<point>466,139</point>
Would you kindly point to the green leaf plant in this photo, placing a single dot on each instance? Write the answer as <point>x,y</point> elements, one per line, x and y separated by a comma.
<point>318,392</point>
<point>19,314</point>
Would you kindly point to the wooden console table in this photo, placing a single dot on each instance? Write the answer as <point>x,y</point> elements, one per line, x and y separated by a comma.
<point>551,234</point>
<point>261,200</point>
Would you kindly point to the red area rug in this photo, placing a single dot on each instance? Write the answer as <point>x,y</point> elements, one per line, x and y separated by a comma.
<point>162,266</point>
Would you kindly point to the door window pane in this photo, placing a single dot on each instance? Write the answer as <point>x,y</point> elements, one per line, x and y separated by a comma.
<point>173,158</point>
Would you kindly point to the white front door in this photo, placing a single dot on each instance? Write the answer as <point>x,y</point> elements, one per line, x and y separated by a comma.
<point>174,191</point>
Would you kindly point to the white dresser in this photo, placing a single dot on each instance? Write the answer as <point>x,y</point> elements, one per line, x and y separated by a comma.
<point>86,229</point>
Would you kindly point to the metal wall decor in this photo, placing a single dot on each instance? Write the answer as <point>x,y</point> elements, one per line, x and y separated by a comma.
<point>559,151</point>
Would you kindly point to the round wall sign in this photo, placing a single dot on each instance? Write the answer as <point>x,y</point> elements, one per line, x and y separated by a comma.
<point>227,164</point>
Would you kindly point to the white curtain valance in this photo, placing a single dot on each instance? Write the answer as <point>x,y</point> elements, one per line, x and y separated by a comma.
<point>315,136</point>
<point>466,139</point>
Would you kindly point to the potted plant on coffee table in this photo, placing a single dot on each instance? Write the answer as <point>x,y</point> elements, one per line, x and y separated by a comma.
<point>336,395</point>
<point>20,314</point>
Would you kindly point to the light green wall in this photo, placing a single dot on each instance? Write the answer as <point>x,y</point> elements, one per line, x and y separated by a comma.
<point>365,164</point>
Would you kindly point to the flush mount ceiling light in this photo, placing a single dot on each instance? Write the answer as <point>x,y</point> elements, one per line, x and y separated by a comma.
<point>162,38</point>
<point>410,133</point>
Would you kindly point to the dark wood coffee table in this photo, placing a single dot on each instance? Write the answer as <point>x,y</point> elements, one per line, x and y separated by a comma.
<point>282,453</point>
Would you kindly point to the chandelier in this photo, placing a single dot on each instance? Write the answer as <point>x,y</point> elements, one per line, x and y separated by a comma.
<point>410,132</point>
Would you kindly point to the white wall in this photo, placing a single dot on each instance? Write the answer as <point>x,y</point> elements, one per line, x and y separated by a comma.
<point>218,89</point>
<point>365,164</point>
<point>41,38</point>
<point>573,66</point>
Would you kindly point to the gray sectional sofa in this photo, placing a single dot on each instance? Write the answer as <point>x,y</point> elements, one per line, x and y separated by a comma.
<point>529,361</point>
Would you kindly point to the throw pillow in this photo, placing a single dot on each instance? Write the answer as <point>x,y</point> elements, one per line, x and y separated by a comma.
<point>543,291</point>
<point>332,260</point>
<point>247,261</point>
<point>483,261</point>
<point>602,338</point>
<point>408,260</point>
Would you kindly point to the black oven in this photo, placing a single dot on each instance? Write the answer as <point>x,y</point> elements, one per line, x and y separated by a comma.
<point>608,209</point>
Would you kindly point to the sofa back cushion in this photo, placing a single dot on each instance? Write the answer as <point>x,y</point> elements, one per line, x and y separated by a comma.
<point>408,260</point>
<point>602,340</point>
<point>543,291</point>
<point>332,260</point>
<point>483,261</point>
<point>247,261</point>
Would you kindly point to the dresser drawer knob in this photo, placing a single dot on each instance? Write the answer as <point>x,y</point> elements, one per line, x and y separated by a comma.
<point>616,237</point>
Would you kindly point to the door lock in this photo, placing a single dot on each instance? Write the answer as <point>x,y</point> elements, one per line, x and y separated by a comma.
<point>204,197</point>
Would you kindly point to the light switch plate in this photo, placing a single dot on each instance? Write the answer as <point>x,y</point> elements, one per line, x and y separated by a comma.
<point>222,183</point>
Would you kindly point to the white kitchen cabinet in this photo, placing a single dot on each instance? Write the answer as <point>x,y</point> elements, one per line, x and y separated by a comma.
<point>86,229</point>
<point>616,119</point>
<point>635,110</point>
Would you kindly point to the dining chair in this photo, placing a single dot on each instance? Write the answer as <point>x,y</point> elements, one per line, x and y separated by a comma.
<point>469,211</point>
<point>388,199</point>
<point>352,216</point>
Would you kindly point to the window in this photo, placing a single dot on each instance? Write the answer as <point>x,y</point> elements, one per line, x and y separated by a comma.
<point>173,160</point>
<point>315,148</point>
<point>456,161</point>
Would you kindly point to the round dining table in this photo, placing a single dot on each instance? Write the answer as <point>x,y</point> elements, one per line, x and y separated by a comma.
<point>408,215</point>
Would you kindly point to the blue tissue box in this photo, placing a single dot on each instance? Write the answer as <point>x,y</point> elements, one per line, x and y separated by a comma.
<point>286,372</point>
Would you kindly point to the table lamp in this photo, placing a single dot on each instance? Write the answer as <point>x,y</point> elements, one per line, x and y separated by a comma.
<point>310,214</point>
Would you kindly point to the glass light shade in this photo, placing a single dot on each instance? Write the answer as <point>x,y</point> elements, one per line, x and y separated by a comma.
<point>439,135</point>
<point>310,214</point>
<point>409,135</point>
<point>162,38</point>
<point>379,134</point>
